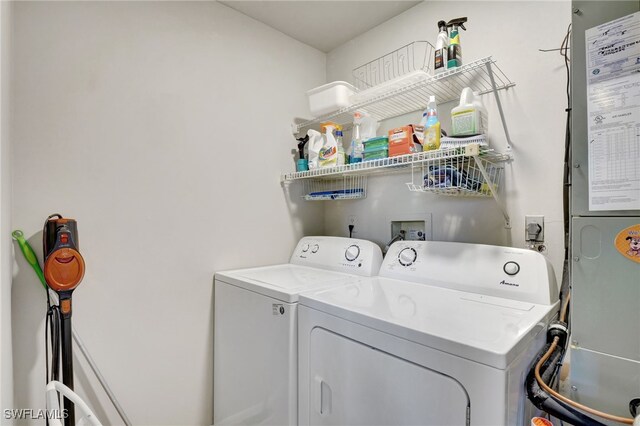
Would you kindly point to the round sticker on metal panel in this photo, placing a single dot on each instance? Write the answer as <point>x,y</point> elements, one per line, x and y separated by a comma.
<point>627,242</point>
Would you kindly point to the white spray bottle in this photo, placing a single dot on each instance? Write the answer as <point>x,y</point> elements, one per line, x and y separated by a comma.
<point>442,46</point>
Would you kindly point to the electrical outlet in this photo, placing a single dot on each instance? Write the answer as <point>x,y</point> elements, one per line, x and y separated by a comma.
<point>352,229</point>
<point>534,228</point>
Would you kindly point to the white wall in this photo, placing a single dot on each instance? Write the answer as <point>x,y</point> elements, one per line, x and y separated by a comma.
<point>163,129</point>
<point>512,32</point>
<point>6,262</point>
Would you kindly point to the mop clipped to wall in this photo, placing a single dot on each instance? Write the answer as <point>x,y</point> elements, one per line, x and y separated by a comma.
<point>63,272</point>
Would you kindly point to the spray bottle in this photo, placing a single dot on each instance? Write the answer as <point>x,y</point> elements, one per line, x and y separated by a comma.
<point>302,164</point>
<point>442,45</point>
<point>357,147</point>
<point>454,56</point>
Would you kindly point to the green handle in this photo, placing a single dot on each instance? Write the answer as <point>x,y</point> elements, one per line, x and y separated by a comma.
<point>29,255</point>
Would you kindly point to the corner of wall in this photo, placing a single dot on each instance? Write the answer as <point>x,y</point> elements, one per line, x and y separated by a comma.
<point>6,263</point>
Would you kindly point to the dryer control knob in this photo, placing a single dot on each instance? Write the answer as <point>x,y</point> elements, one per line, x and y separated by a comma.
<point>511,268</point>
<point>305,248</point>
<point>352,252</point>
<point>407,256</point>
<point>315,248</point>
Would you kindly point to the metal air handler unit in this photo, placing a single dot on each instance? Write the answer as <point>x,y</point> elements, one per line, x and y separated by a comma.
<point>605,335</point>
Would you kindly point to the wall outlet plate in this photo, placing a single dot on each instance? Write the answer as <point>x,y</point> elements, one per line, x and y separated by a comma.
<point>532,220</point>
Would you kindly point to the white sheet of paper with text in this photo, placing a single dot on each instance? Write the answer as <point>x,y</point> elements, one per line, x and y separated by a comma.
<point>613,114</point>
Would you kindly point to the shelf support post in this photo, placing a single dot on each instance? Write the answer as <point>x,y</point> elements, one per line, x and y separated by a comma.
<point>499,104</point>
<point>494,193</point>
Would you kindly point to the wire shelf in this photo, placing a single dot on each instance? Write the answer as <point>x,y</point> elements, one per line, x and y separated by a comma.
<point>472,171</point>
<point>479,75</point>
<point>395,164</point>
<point>348,187</point>
<point>457,175</point>
<point>414,56</point>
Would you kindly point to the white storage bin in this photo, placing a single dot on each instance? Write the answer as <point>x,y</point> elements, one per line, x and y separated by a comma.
<point>330,97</point>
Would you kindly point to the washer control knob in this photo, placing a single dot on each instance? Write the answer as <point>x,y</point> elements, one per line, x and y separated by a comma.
<point>407,256</point>
<point>305,248</point>
<point>352,252</point>
<point>315,248</point>
<point>511,268</point>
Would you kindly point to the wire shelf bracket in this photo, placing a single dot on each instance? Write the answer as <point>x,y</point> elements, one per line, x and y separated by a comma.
<point>494,192</point>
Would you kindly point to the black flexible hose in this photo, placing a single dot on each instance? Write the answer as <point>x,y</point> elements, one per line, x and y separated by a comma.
<point>545,402</point>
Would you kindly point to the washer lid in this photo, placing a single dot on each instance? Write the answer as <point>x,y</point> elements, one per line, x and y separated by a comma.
<point>486,329</point>
<point>284,282</point>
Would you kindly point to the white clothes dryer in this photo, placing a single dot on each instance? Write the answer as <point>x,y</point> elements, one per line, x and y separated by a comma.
<point>444,336</point>
<point>255,326</point>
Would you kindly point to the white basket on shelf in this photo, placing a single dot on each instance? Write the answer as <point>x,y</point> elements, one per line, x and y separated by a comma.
<point>459,175</point>
<point>347,187</point>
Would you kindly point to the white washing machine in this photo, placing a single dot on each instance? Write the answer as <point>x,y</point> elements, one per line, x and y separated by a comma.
<point>255,327</point>
<point>444,336</point>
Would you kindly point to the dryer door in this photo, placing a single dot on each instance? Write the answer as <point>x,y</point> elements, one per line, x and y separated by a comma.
<point>355,384</point>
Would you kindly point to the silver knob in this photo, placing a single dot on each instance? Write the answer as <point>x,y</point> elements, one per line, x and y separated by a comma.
<point>407,256</point>
<point>315,248</point>
<point>511,268</point>
<point>305,248</point>
<point>352,253</point>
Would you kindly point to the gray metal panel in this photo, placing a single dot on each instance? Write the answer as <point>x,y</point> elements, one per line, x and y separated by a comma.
<point>604,382</point>
<point>591,13</point>
<point>606,289</point>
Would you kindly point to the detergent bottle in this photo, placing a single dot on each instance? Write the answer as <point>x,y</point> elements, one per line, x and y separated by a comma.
<point>328,156</point>
<point>470,116</point>
<point>442,45</point>
<point>454,52</point>
<point>431,140</point>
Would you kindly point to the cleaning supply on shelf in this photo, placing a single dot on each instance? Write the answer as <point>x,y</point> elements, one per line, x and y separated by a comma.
<point>341,154</point>
<point>302,163</point>
<point>376,143</point>
<point>376,154</point>
<point>454,51</point>
<point>356,150</point>
<point>376,148</point>
<point>315,145</point>
<point>431,138</point>
<point>483,126</point>
<point>425,115</point>
<point>470,116</point>
<point>368,126</point>
<point>405,140</point>
<point>442,45</point>
<point>328,156</point>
